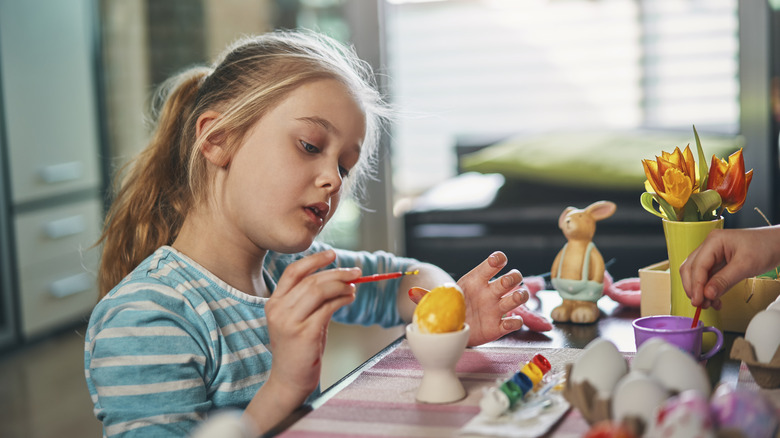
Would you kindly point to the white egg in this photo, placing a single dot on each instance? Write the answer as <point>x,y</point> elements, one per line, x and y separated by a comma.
<point>600,364</point>
<point>774,305</point>
<point>763,332</point>
<point>645,355</point>
<point>683,416</point>
<point>637,395</point>
<point>678,371</point>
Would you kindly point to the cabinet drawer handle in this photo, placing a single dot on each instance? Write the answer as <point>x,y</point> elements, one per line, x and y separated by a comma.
<point>71,285</point>
<point>67,226</point>
<point>62,172</point>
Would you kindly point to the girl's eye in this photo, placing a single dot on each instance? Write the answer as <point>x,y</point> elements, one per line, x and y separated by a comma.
<point>308,147</point>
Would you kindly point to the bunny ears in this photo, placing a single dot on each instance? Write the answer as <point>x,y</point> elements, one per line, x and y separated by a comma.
<point>598,210</point>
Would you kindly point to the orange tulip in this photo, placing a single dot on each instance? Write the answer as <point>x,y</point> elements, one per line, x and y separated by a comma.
<point>673,176</point>
<point>730,180</point>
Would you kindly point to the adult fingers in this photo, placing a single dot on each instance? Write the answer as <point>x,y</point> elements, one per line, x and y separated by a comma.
<point>695,272</point>
<point>722,280</point>
<point>686,274</point>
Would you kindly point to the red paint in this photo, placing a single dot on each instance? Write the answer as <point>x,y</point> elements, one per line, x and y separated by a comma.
<point>542,363</point>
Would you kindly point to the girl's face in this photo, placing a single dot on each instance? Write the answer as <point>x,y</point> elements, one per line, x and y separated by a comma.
<point>284,183</point>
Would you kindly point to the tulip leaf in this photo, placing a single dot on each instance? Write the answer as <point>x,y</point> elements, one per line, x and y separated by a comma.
<point>703,170</point>
<point>706,202</point>
<point>669,211</point>
<point>647,202</point>
<point>690,212</point>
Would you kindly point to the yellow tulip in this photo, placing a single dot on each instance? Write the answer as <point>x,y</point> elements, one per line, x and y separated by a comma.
<point>678,188</point>
<point>730,180</point>
<point>673,176</point>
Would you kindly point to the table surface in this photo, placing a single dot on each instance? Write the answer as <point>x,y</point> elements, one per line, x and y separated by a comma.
<point>614,325</point>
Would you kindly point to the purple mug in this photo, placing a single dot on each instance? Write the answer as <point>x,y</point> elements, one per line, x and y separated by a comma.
<point>677,331</point>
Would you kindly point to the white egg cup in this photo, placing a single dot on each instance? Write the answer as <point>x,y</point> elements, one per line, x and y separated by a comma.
<point>438,353</point>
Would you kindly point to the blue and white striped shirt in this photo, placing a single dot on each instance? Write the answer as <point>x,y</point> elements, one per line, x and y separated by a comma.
<point>172,342</point>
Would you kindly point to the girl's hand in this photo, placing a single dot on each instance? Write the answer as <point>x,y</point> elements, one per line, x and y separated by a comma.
<point>487,301</point>
<point>298,313</point>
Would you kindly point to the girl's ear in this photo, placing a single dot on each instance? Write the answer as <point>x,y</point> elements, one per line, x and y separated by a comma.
<point>212,147</point>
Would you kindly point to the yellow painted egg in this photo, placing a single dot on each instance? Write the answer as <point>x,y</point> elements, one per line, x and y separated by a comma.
<point>441,310</point>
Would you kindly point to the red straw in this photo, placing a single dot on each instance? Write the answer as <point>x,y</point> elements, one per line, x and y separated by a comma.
<point>378,277</point>
<point>696,317</point>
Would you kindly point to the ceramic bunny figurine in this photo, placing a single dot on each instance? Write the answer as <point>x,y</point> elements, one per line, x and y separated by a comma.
<point>578,270</point>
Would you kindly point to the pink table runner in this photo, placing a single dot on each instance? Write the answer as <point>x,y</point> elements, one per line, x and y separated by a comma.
<point>380,401</point>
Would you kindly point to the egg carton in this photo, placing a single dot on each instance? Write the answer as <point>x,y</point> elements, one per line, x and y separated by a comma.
<point>766,375</point>
<point>593,408</point>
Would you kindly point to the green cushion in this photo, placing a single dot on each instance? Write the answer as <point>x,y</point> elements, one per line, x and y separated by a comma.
<point>597,159</point>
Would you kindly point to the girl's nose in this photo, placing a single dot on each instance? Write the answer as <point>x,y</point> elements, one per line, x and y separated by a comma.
<point>331,179</point>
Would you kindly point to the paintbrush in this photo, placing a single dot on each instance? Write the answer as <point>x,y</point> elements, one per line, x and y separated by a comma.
<point>387,276</point>
<point>696,317</point>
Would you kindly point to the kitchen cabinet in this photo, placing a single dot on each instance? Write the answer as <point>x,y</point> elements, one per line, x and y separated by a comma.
<point>52,182</point>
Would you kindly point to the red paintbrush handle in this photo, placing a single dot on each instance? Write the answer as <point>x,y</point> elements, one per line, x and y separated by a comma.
<point>377,277</point>
<point>696,317</point>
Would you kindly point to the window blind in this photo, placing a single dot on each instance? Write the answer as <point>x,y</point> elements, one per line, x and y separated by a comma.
<point>471,67</point>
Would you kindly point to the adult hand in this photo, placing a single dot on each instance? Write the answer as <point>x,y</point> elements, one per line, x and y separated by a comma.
<point>725,258</point>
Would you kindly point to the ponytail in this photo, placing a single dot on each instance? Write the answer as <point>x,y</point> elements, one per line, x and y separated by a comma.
<point>154,196</point>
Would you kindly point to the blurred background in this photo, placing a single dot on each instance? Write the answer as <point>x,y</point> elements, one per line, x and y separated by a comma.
<point>76,78</point>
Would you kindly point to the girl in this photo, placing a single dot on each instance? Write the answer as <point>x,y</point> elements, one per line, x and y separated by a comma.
<point>219,297</point>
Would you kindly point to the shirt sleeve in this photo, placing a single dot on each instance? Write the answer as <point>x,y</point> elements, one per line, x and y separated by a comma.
<point>375,302</point>
<point>146,364</point>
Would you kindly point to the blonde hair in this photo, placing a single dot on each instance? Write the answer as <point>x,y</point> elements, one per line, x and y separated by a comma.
<point>170,175</point>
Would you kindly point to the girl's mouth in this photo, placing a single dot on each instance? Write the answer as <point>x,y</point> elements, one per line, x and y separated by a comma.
<point>319,210</point>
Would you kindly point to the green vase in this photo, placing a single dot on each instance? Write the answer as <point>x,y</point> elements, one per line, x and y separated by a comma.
<point>681,239</point>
